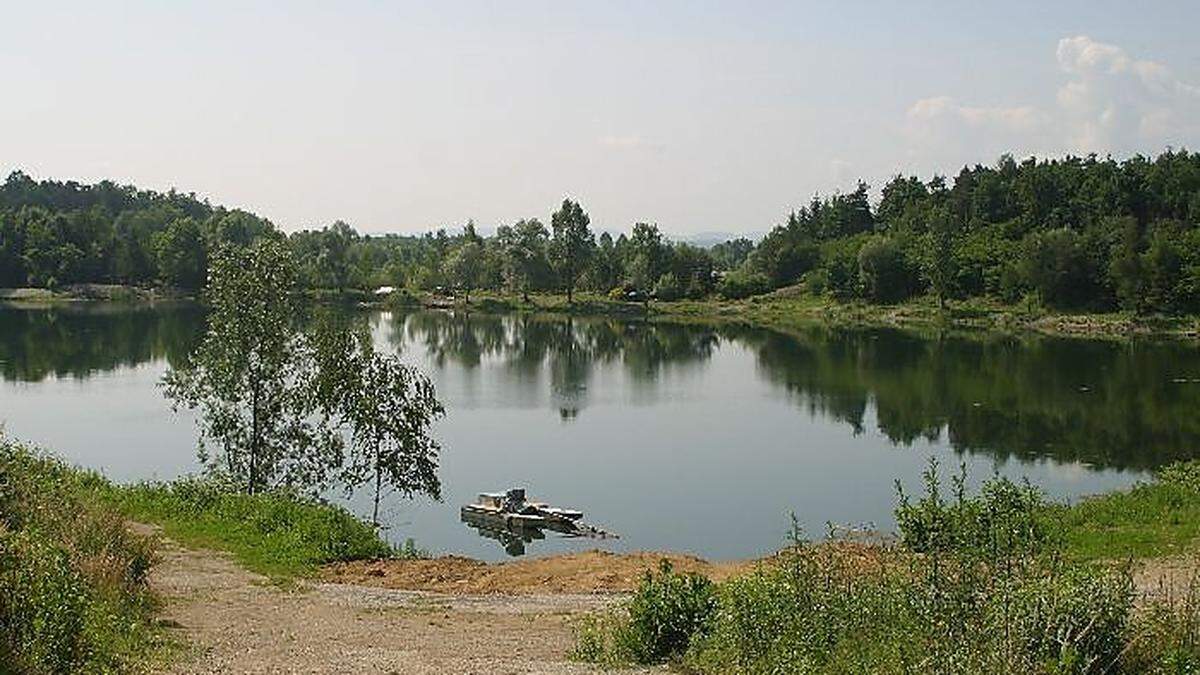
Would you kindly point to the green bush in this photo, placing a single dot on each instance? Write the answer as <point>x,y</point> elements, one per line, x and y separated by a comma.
<point>823,609</point>
<point>1184,475</point>
<point>73,595</point>
<point>668,288</point>
<point>884,272</point>
<point>666,613</point>
<point>740,284</point>
<point>1005,518</point>
<point>979,584</point>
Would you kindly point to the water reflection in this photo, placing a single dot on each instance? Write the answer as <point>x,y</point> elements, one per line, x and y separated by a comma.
<point>1106,404</point>
<point>1123,405</point>
<point>1127,405</point>
<point>78,340</point>
<point>566,349</point>
<point>514,540</point>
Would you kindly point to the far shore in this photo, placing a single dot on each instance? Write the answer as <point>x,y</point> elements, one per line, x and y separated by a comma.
<point>785,309</point>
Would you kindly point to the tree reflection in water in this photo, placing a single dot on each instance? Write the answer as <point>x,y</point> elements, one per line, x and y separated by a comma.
<point>1109,404</point>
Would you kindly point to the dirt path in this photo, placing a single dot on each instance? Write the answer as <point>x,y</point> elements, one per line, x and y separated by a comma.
<point>237,622</point>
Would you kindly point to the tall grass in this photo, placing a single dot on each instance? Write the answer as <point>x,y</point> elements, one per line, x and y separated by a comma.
<point>73,595</point>
<point>974,584</point>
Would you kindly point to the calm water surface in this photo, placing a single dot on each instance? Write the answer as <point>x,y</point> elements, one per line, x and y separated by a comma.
<point>683,437</point>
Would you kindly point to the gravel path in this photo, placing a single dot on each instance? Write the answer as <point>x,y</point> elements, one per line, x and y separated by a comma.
<point>237,622</point>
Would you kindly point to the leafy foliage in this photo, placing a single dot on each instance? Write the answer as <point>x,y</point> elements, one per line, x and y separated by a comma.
<point>73,595</point>
<point>252,375</point>
<point>666,613</point>
<point>571,244</point>
<point>387,407</point>
<point>978,584</point>
<point>1076,233</point>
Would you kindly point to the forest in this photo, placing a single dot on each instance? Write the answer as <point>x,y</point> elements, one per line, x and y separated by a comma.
<point>1076,233</point>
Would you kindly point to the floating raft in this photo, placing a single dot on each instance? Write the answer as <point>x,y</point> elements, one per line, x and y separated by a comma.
<point>510,511</point>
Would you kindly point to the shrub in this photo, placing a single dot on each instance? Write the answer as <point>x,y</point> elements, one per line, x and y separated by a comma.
<point>740,284</point>
<point>975,585</point>
<point>668,288</point>
<point>885,274</point>
<point>73,594</point>
<point>831,609</point>
<point>667,611</point>
<point>1004,519</point>
<point>1185,475</point>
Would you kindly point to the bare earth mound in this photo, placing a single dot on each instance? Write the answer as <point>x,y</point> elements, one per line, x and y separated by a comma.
<point>587,572</point>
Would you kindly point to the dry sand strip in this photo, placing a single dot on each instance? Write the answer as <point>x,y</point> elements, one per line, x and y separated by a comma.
<point>237,622</point>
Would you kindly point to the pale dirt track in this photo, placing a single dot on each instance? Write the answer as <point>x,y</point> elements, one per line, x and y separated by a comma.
<point>234,621</point>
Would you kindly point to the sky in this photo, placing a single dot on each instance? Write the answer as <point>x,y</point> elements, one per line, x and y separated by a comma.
<point>698,116</point>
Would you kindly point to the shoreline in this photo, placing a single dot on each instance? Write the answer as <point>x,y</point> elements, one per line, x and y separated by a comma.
<point>785,310</point>
<point>788,310</point>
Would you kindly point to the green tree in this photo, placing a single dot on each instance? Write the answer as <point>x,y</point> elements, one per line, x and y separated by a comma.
<point>729,255</point>
<point>668,287</point>
<point>1126,270</point>
<point>333,260</point>
<point>606,270</point>
<point>252,377</point>
<point>181,254</point>
<point>648,257</point>
<point>883,271</point>
<point>1055,264</point>
<point>523,250</point>
<point>388,408</point>
<point>572,244</point>
<point>938,265</point>
<point>462,266</point>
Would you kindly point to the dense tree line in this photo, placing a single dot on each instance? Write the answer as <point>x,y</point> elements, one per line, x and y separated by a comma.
<point>1074,233</point>
<point>57,233</point>
<point>522,258</point>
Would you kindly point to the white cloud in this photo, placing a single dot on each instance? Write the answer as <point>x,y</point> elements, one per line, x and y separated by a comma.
<point>1110,102</point>
<point>944,109</point>
<point>1114,102</point>
<point>948,131</point>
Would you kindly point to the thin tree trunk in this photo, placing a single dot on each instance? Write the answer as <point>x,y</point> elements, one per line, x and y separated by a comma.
<point>252,478</point>
<point>378,484</point>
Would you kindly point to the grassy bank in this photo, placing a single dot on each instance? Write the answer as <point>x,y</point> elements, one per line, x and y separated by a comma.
<point>278,534</point>
<point>73,595</point>
<point>73,577</point>
<point>794,308</point>
<point>1157,518</point>
<point>1001,582</point>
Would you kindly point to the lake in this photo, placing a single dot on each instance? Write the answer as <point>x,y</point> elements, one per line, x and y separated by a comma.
<point>687,437</point>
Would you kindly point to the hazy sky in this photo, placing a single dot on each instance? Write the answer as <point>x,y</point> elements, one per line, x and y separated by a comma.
<point>698,116</point>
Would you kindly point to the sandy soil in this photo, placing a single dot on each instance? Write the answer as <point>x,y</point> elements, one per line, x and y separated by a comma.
<point>1166,579</point>
<point>588,572</point>
<point>237,622</point>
